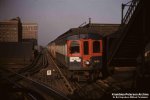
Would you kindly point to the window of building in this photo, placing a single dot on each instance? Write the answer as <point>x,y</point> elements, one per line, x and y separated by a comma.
<point>74,47</point>
<point>96,46</point>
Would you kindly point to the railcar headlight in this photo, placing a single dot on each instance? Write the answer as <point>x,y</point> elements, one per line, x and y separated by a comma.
<point>87,62</point>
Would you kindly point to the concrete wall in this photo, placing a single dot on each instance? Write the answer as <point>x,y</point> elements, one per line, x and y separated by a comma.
<point>16,53</point>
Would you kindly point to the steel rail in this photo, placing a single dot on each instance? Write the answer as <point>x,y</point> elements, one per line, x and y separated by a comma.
<point>63,76</point>
<point>52,91</point>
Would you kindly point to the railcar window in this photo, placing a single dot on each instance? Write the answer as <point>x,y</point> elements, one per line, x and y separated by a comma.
<point>74,47</point>
<point>96,47</point>
<point>86,47</point>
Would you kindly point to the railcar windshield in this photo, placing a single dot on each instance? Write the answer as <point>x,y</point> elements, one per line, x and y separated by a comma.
<point>74,47</point>
<point>96,47</point>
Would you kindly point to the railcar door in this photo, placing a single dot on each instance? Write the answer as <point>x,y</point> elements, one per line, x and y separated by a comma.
<point>86,54</point>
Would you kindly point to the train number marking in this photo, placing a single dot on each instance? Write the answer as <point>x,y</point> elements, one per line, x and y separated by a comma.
<point>77,59</point>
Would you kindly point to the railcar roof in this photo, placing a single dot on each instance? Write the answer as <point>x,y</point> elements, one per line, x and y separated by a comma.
<point>101,29</point>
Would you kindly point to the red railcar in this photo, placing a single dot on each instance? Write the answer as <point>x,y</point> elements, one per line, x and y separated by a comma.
<point>79,52</point>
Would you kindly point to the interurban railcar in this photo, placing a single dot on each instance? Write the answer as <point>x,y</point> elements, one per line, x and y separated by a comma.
<point>81,52</point>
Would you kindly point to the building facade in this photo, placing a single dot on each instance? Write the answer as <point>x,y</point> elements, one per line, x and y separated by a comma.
<point>15,31</point>
<point>29,33</point>
<point>29,30</point>
<point>17,41</point>
<point>11,30</point>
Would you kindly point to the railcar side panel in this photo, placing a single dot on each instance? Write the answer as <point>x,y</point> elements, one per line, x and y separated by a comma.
<point>61,52</point>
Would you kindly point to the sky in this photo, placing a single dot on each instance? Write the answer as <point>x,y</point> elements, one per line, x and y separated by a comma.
<point>54,17</point>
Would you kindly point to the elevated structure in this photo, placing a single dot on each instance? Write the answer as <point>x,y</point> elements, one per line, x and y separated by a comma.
<point>133,35</point>
<point>131,47</point>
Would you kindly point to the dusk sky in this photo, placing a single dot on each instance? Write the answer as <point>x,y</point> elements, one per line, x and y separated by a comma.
<point>54,17</point>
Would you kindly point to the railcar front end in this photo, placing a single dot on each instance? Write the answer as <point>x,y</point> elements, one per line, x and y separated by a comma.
<point>85,57</point>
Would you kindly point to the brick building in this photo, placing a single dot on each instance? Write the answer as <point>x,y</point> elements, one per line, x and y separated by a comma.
<point>29,30</point>
<point>11,30</point>
<point>29,33</point>
<point>17,41</point>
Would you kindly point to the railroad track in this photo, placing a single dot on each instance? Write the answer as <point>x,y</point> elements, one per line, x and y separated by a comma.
<point>31,90</point>
<point>23,77</point>
<point>65,80</point>
<point>56,80</point>
<point>34,63</point>
<point>39,63</point>
<point>15,89</point>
